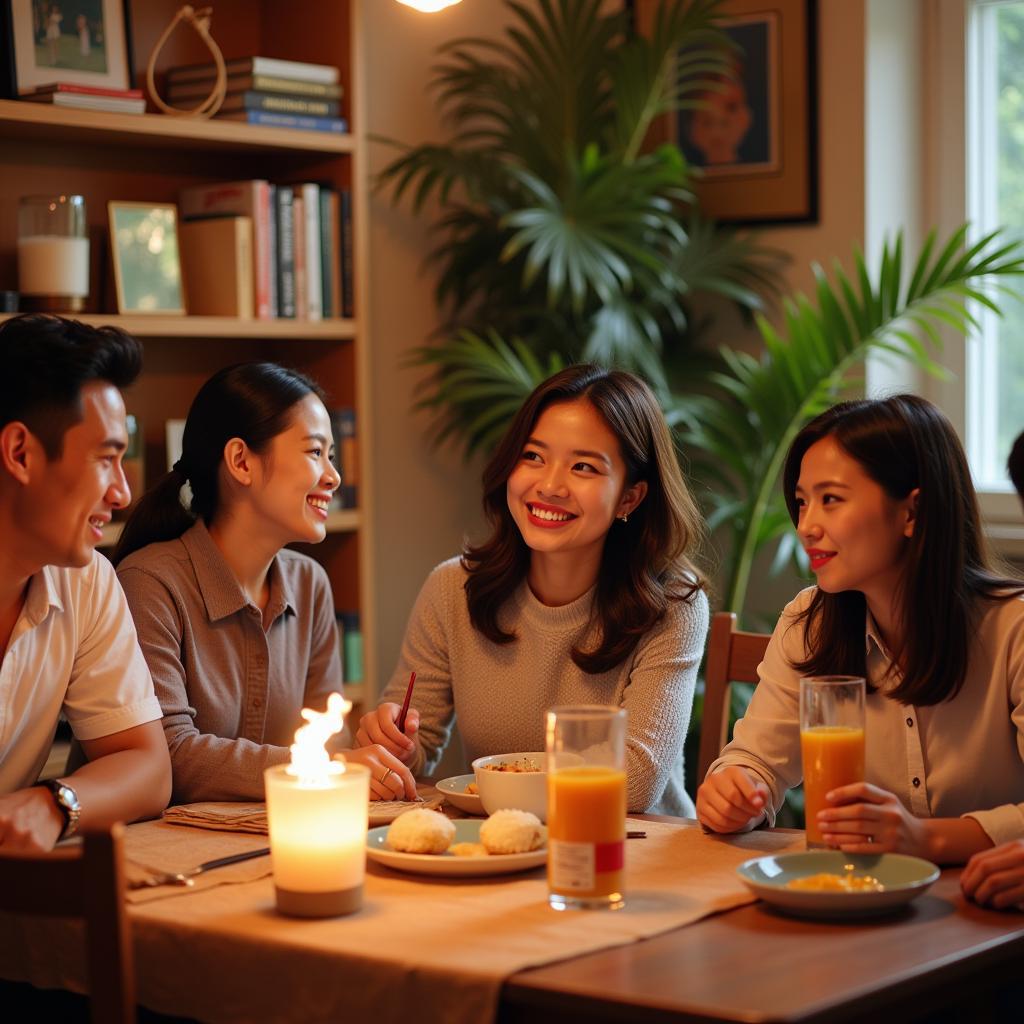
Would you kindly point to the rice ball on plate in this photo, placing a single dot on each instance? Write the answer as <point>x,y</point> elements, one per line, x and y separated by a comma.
<point>421,831</point>
<point>512,831</point>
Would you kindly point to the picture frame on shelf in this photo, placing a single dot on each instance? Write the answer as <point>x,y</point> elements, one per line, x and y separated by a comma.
<point>146,258</point>
<point>81,42</point>
<point>753,143</point>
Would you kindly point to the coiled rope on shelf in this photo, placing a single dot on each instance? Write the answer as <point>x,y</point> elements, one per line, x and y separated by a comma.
<point>200,21</point>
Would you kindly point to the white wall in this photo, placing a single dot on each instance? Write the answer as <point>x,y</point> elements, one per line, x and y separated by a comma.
<point>425,498</point>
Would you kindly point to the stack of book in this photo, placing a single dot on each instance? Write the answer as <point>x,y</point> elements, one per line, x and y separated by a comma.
<point>265,90</point>
<point>88,97</point>
<point>299,241</point>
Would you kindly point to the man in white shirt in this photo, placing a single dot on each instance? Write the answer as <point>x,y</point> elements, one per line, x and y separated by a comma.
<point>66,637</point>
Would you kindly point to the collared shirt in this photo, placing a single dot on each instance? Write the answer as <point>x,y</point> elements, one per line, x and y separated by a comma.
<point>231,689</point>
<point>73,648</point>
<point>963,757</point>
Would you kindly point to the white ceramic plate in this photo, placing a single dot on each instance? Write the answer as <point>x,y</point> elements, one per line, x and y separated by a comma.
<point>904,879</point>
<point>446,863</point>
<point>454,790</point>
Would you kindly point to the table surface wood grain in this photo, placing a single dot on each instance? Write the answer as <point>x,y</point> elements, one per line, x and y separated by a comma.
<point>755,964</point>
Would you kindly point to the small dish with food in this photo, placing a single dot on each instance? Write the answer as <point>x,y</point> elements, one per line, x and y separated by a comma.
<point>461,792</point>
<point>517,781</point>
<point>830,883</point>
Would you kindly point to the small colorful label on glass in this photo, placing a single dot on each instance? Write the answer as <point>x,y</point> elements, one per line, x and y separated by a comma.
<point>574,866</point>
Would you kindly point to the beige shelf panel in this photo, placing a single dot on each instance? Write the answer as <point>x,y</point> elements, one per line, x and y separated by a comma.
<point>344,520</point>
<point>158,326</point>
<point>41,122</point>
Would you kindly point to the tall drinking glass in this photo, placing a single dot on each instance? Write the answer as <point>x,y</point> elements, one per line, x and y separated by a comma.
<point>586,747</point>
<point>831,741</point>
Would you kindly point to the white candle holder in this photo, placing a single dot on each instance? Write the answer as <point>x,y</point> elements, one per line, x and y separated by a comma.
<point>53,253</point>
<point>318,839</point>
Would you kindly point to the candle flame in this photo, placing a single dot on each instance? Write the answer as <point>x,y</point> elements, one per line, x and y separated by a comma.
<point>310,760</point>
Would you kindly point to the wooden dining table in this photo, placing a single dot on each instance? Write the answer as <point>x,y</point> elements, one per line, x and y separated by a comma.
<point>748,963</point>
<point>940,955</point>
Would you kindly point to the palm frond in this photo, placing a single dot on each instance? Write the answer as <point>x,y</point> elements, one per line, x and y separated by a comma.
<point>805,364</point>
<point>479,382</point>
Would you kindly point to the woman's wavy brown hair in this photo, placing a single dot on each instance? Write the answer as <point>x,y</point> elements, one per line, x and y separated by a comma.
<point>646,561</point>
<point>905,442</point>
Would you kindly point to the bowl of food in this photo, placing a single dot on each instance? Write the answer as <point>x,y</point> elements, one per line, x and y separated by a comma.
<point>518,781</point>
<point>830,883</point>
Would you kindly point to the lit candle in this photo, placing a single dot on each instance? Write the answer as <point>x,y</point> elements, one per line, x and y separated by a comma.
<point>317,811</point>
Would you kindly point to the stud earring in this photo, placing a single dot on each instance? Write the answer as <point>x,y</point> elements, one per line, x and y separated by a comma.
<point>623,518</point>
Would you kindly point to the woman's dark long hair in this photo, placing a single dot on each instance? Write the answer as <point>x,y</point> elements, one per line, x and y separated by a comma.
<point>902,443</point>
<point>645,563</point>
<point>252,401</point>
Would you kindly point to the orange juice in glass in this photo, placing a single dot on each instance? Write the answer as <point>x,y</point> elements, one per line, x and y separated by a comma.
<point>586,748</point>
<point>831,741</point>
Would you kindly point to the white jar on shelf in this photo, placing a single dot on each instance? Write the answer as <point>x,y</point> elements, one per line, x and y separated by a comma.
<point>53,253</point>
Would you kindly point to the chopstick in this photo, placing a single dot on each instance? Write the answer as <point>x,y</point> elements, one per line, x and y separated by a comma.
<point>405,704</point>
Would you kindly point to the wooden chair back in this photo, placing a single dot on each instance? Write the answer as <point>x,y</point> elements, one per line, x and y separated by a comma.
<point>733,657</point>
<point>86,882</point>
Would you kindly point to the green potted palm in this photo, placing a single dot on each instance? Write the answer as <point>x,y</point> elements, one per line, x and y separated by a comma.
<point>561,238</point>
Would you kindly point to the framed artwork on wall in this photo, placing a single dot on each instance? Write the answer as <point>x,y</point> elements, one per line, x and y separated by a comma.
<point>83,42</point>
<point>144,248</point>
<point>754,140</point>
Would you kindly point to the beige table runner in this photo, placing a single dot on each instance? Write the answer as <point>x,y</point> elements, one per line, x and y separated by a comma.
<point>429,949</point>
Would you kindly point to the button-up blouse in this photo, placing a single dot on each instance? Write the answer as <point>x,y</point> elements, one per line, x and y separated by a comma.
<point>963,757</point>
<point>231,688</point>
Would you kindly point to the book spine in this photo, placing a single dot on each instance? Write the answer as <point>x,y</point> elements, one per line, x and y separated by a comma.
<point>326,274</point>
<point>285,251</point>
<point>263,262</point>
<point>343,423</point>
<point>314,295</point>
<point>334,219</point>
<point>288,104</point>
<point>244,264</point>
<point>299,231</point>
<point>199,88</point>
<point>257,66</point>
<point>275,299</point>
<point>300,121</point>
<point>347,291</point>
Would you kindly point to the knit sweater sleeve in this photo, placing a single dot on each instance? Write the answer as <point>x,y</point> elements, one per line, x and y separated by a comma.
<point>425,650</point>
<point>659,698</point>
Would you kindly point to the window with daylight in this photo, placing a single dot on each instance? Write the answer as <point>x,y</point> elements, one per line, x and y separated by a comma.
<point>995,173</point>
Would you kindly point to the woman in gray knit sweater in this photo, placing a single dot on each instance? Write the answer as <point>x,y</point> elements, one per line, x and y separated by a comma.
<point>585,592</point>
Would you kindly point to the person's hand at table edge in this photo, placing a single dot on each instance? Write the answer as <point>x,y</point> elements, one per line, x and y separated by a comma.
<point>732,800</point>
<point>995,877</point>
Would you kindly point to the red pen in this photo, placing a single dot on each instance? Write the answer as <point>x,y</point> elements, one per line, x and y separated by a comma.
<point>405,704</point>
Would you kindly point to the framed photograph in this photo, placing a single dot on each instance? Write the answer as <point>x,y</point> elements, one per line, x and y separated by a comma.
<point>754,140</point>
<point>144,248</point>
<point>84,42</point>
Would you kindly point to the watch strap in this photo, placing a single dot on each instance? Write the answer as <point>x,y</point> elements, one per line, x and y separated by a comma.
<point>66,799</point>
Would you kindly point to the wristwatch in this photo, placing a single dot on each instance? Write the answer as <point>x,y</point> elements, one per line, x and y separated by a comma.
<point>67,803</point>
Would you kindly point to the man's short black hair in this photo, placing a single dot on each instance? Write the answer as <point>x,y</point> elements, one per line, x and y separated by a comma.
<point>47,360</point>
<point>1015,464</point>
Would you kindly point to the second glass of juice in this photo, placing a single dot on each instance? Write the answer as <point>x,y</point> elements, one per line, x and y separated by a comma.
<point>586,748</point>
<point>831,741</point>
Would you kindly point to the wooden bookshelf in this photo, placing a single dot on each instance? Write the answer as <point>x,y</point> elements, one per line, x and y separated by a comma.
<point>207,327</point>
<point>23,121</point>
<point>151,158</point>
